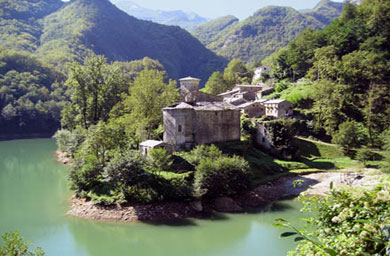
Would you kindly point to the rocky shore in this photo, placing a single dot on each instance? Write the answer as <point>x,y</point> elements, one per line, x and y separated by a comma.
<point>282,188</point>
<point>62,157</point>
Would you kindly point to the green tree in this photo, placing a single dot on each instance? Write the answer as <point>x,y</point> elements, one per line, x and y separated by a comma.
<point>349,135</point>
<point>68,141</point>
<point>94,89</point>
<point>102,141</point>
<point>13,245</point>
<point>330,102</point>
<point>326,64</point>
<point>237,73</point>
<point>386,147</point>
<point>216,84</point>
<point>142,109</point>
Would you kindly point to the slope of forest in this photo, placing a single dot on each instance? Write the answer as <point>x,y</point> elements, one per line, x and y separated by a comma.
<point>214,29</point>
<point>266,31</point>
<point>186,20</point>
<point>59,33</point>
<point>31,95</point>
<point>349,62</point>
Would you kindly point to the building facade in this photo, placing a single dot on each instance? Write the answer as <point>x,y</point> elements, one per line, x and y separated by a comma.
<point>200,118</point>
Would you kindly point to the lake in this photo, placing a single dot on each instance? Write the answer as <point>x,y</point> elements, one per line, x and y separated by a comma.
<point>34,194</point>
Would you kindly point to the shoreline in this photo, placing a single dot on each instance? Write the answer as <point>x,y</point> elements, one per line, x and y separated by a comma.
<point>316,184</point>
<point>26,136</point>
<point>282,188</point>
<point>62,157</point>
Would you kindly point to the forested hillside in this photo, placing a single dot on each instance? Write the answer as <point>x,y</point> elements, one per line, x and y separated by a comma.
<point>40,38</point>
<point>266,31</point>
<point>31,95</point>
<point>213,30</point>
<point>61,32</point>
<point>349,62</point>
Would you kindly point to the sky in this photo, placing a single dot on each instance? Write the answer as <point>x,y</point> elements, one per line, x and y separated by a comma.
<point>217,8</point>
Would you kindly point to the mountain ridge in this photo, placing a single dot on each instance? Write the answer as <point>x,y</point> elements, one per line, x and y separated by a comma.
<point>267,30</point>
<point>80,27</point>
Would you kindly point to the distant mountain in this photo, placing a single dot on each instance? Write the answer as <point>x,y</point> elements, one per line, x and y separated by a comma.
<point>266,31</point>
<point>326,11</point>
<point>213,30</point>
<point>58,33</point>
<point>187,20</point>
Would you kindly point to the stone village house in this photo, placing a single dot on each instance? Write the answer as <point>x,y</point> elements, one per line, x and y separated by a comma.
<point>202,118</point>
<point>199,119</point>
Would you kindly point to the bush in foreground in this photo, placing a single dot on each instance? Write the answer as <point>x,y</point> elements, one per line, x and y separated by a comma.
<point>13,245</point>
<point>351,222</point>
<point>223,176</point>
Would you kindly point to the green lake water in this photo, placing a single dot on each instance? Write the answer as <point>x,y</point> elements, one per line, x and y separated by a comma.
<point>34,197</point>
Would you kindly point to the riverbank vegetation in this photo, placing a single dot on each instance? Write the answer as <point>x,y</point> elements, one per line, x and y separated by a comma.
<point>108,115</point>
<point>348,222</point>
<point>14,245</point>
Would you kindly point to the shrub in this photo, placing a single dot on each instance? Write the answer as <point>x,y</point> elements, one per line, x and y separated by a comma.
<point>137,184</point>
<point>176,187</point>
<point>281,134</point>
<point>68,141</point>
<point>349,135</point>
<point>248,128</point>
<point>202,152</point>
<point>85,174</point>
<point>365,155</point>
<point>281,86</point>
<point>223,176</point>
<point>386,146</point>
<point>349,222</point>
<point>14,245</point>
<point>159,159</point>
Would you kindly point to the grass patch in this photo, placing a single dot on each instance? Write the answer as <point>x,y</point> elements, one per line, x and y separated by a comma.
<point>172,175</point>
<point>314,149</point>
<point>314,157</point>
<point>295,93</point>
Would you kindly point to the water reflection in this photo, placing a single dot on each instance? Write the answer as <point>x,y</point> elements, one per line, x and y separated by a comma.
<point>34,199</point>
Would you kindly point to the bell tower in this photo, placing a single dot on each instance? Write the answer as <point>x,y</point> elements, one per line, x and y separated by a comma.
<point>188,85</point>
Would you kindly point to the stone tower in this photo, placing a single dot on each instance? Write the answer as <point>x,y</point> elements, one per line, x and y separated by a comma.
<point>188,85</point>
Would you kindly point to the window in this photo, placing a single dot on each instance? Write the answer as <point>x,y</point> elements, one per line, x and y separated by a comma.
<point>179,129</point>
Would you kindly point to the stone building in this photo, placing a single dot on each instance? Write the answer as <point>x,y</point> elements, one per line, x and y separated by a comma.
<point>254,109</point>
<point>189,91</point>
<point>200,118</point>
<point>244,93</point>
<point>278,108</point>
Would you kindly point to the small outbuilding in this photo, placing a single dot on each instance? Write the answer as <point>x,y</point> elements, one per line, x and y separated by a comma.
<point>148,145</point>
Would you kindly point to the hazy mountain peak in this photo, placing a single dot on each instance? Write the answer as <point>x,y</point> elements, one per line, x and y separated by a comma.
<point>187,20</point>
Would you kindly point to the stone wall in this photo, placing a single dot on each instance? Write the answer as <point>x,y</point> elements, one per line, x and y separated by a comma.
<point>255,110</point>
<point>179,128</point>
<point>217,126</point>
<point>197,96</point>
